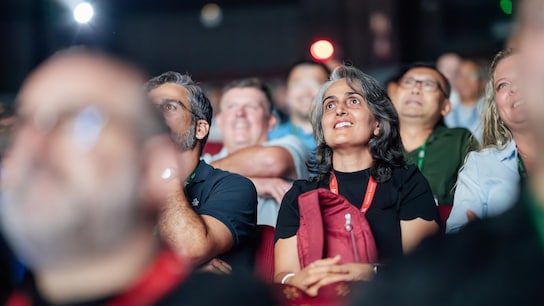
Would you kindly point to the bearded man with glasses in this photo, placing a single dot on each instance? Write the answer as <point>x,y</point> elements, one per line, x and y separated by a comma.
<point>209,215</point>
<point>421,100</point>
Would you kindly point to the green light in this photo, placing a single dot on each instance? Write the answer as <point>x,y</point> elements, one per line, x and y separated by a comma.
<point>506,6</point>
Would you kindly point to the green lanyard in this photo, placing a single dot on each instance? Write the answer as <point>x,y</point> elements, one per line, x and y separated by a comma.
<point>421,156</point>
<point>190,178</point>
<point>521,168</point>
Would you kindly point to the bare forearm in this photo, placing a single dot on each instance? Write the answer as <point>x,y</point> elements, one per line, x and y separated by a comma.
<point>271,187</point>
<point>414,231</point>
<point>184,230</point>
<point>259,161</point>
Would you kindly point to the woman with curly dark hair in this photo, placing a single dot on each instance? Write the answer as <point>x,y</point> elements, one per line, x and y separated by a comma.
<point>357,133</point>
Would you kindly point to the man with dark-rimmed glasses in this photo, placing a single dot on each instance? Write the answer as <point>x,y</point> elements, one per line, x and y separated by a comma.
<point>209,215</point>
<point>421,100</point>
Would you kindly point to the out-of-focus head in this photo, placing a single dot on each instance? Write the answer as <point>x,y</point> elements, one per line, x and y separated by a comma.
<point>303,82</point>
<point>470,81</point>
<point>353,110</point>
<point>505,110</point>
<point>7,120</point>
<point>448,64</point>
<point>529,38</point>
<point>422,95</point>
<point>73,170</point>
<point>245,115</point>
<point>185,108</point>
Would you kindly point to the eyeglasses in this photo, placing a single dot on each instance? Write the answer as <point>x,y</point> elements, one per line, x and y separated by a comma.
<point>428,85</point>
<point>471,75</point>
<point>171,105</point>
<point>83,127</point>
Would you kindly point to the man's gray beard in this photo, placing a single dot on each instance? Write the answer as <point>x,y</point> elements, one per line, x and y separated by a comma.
<point>100,224</point>
<point>185,141</point>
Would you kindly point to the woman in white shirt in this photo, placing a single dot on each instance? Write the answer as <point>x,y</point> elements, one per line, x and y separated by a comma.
<point>488,183</point>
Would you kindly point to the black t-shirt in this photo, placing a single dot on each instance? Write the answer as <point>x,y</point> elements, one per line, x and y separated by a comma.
<point>405,196</point>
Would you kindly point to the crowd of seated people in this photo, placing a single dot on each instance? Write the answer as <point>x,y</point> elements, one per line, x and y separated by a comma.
<point>109,197</point>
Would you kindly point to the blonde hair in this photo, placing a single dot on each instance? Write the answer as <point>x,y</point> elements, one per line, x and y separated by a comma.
<point>495,133</point>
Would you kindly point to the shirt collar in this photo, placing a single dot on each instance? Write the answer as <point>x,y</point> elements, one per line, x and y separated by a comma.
<point>202,171</point>
<point>439,129</point>
<point>507,152</point>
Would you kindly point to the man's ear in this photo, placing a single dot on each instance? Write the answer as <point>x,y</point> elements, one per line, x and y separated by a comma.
<point>272,120</point>
<point>202,129</point>
<point>446,107</point>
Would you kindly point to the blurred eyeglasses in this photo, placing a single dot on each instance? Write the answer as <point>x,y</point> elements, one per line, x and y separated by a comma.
<point>427,85</point>
<point>82,126</point>
<point>471,75</point>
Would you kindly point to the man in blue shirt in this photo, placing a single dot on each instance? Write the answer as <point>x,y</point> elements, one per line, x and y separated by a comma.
<point>305,79</point>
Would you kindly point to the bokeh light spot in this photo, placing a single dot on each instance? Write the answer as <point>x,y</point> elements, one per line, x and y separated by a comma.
<point>322,50</point>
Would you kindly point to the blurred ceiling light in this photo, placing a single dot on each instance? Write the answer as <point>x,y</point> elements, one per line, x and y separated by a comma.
<point>211,15</point>
<point>83,12</point>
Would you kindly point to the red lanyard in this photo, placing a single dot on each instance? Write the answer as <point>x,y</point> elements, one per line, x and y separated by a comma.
<point>369,195</point>
<point>162,277</point>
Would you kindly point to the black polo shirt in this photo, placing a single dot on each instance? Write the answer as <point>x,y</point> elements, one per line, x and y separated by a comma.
<point>231,199</point>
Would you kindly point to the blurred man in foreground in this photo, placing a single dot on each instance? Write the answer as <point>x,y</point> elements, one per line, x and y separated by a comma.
<point>74,204</point>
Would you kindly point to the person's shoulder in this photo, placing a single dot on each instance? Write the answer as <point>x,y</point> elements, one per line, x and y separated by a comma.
<point>407,176</point>
<point>486,154</point>
<point>504,152</point>
<point>280,130</point>
<point>459,132</point>
<point>458,137</point>
<point>287,138</point>
<point>406,171</point>
<point>230,176</point>
<point>217,175</point>
<point>302,186</point>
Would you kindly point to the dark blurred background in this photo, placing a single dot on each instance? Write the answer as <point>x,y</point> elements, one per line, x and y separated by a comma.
<point>238,38</point>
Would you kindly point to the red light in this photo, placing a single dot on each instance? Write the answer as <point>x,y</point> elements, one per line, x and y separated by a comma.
<point>322,50</point>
